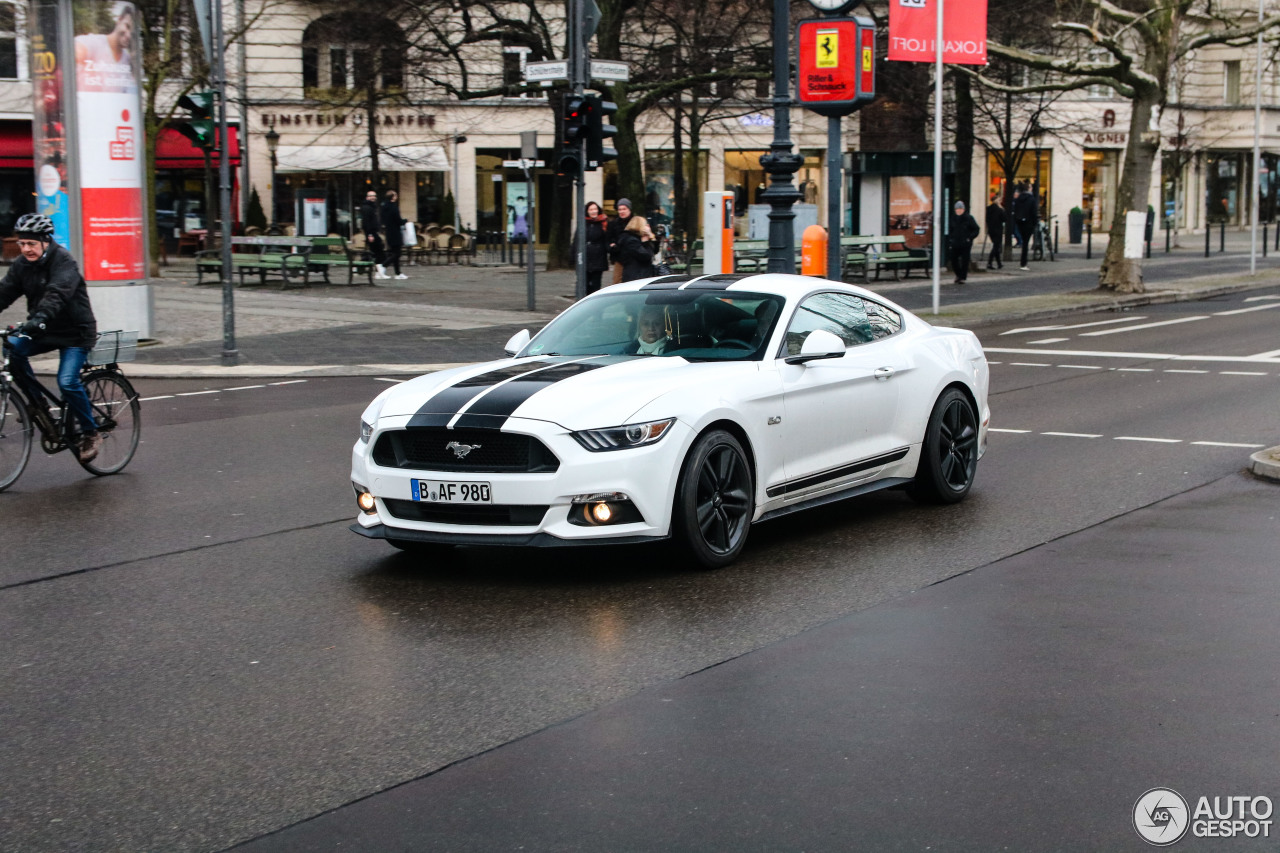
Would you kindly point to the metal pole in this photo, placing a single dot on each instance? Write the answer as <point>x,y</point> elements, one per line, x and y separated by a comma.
<point>1208,231</point>
<point>230,355</point>
<point>1255,187</point>
<point>835,179</point>
<point>780,163</point>
<point>1088,243</point>
<point>938,212</point>
<point>578,69</point>
<point>533,197</point>
<point>1222,236</point>
<point>242,85</point>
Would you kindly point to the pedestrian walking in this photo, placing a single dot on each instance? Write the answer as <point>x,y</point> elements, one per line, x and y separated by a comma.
<point>996,219</point>
<point>597,259</point>
<point>1025,217</point>
<point>635,249</point>
<point>393,222</point>
<point>614,231</point>
<point>964,229</point>
<point>371,225</point>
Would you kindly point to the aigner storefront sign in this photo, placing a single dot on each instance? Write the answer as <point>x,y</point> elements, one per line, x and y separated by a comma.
<point>341,119</point>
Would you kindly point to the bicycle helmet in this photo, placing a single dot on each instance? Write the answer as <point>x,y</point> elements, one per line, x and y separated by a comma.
<point>34,226</point>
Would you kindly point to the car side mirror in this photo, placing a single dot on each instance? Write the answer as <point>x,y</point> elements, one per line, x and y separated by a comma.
<point>818,345</point>
<point>518,341</point>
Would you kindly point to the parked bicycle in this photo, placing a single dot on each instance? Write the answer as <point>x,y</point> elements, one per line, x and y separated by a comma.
<point>116,411</point>
<point>1042,241</point>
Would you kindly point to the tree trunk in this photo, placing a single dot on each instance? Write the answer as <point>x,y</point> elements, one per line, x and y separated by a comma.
<point>562,205</point>
<point>677,170</point>
<point>964,139</point>
<point>693,192</point>
<point>1121,274</point>
<point>151,125</point>
<point>630,170</point>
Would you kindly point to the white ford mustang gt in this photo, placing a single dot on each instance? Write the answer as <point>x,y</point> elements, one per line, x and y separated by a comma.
<point>686,407</point>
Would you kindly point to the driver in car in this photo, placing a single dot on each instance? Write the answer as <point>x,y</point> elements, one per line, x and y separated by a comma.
<point>651,332</point>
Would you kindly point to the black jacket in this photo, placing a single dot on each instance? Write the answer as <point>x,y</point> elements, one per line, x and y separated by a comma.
<point>964,230</point>
<point>995,221</point>
<point>597,247</point>
<point>636,258</point>
<point>1025,212</point>
<point>369,217</point>
<point>612,232</point>
<point>56,296</point>
<point>393,222</point>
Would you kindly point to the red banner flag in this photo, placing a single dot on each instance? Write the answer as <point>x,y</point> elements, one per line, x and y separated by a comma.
<point>912,24</point>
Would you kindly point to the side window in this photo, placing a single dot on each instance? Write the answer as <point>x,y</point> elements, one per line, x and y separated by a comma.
<point>841,314</point>
<point>884,321</point>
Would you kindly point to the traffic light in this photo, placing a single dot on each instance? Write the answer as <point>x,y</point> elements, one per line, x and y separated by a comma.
<point>600,131</point>
<point>572,134</point>
<point>199,128</point>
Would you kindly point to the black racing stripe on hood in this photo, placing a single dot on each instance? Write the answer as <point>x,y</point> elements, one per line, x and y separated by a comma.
<point>448,401</point>
<point>502,402</point>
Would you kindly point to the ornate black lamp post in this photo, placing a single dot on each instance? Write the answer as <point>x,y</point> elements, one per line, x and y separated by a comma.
<point>780,163</point>
<point>273,140</point>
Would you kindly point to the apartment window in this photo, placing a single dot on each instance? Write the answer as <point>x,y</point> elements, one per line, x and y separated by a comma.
<point>764,85</point>
<point>8,41</point>
<point>345,51</point>
<point>1231,82</point>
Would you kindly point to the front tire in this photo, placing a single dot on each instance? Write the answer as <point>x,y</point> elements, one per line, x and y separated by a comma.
<point>15,437</point>
<point>949,453</point>
<point>714,500</point>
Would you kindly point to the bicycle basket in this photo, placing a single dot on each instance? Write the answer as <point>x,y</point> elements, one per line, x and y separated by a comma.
<point>114,347</point>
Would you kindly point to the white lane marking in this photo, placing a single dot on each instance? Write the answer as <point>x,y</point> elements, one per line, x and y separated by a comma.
<point>1016,431</point>
<point>1176,370</point>
<point>290,382</point>
<point>1063,328</point>
<point>1259,298</point>
<point>1049,341</point>
<point>244,387</point>
<point>1029,364</point>
<point>1145,438</point>
<point>1144,326</point>
<point>1136,369</point>
<point>1273,354</point>
<point>995,362</point>
<point>388,379</point>
<point>1246,310</point>
<point>1081,366</point>
<point>161,397</point>
<point>1243,373</point>
<point>198,393</point>
<point>1264,358</point>
<point>1227,444</point>
<point>1073,434</point>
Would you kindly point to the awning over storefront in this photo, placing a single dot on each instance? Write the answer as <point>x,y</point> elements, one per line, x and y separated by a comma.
<point>351,158</point>
<point>173,150</point>
<point>16,147</point>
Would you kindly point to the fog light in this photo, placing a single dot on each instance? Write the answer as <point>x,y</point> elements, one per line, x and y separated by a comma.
<point>601,513</point>
<point>367,503</point>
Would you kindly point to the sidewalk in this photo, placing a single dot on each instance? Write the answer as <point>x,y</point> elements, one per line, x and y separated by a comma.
<point>444,315</point>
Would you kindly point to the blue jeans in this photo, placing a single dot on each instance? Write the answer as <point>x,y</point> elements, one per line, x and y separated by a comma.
<point>71,359</point>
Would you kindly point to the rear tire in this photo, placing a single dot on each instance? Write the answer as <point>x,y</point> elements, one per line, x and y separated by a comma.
<point>15,437</point>
<point>949,453</point>
<point>118,415</point>
<point>715,499</point>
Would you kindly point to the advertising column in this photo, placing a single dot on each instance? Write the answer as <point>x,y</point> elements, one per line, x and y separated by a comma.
<point>49,122</point>
<point>109,157</point>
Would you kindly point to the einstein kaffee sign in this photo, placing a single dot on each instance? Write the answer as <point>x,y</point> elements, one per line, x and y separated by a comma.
<point>913,25</point>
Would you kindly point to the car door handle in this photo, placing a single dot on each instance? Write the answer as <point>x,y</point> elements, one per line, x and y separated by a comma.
<point>883,373</point>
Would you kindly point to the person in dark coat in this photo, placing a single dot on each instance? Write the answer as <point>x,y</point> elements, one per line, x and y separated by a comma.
<point>632,251</point>
<point>371,225</point>
<point>614,231</point>
<point>597,245</point>
<point>964,229</point>
<point>1025,216</point>
<point>59,317</point>
<point>393,222</point>
<point>995,230</point>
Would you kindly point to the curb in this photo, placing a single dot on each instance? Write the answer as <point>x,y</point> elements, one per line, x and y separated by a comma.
<point>1266,463</point>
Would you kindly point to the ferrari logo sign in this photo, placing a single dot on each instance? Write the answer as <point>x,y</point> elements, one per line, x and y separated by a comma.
<point>828,49</point>
<point>868,59</point>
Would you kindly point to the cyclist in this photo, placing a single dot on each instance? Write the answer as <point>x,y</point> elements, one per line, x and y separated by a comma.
<point>59,317</point>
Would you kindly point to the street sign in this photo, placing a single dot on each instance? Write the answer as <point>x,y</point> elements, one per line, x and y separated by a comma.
<point>836,72</point>
<point>523,164</point>
<point>555,69</point>
<point>590,19</point>
<point>610,71</point>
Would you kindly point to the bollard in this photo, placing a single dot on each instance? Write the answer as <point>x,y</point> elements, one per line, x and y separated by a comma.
<point>1148,250</point>
<point>1167,233</point>
<point>813,251</point>
<point>1222,236</point>
<point>1208,229</point>
<point>1055,234</point>
<point>1264,239</point>
<point>1088,243</point>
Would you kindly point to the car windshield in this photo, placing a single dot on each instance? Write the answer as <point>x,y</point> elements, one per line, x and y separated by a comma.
<point>696,325</point>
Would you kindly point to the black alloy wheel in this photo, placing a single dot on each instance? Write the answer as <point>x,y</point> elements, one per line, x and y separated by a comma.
<point>714,500</point>
<point>949,454</point>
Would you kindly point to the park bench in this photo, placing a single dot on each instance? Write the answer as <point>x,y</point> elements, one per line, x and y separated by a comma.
<point>285,257</point>
<point>333,252</point>
<point>691,260</point>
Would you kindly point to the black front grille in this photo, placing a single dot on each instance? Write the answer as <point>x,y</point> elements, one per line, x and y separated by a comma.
<point>493,515</point>
<point>437,449</point>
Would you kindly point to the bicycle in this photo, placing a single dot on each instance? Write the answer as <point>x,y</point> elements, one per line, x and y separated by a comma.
<point>1041,241</point>
<point>115,405</point>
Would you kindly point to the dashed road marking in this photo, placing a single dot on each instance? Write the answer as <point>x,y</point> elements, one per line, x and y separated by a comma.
<point>1178,370</point>
<point>1144,326</point>
<point>1049,341</point>
<point>1074,434</point>
<point>1080,366</point>
<point>1228,444</point>
<point>1148,438</point>
<point>1243,373</point>
<point>1246,310</point>
<point>1029,364</point>
<point>1136,369</point>
<point>1063,328</point>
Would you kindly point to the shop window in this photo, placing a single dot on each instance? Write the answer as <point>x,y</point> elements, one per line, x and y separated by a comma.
<point>349,50</point>
<point>9,41</point>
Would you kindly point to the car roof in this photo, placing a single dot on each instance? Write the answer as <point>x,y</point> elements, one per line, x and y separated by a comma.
<point>781,284</point>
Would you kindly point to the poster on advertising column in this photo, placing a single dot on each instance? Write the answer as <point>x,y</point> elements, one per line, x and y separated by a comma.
<point>109,140</point>
<point>49,124</point>
<point>914,23</point>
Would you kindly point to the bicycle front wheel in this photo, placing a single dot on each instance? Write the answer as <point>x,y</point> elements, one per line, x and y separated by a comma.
<point>118,414</point>
<point>15,437</point>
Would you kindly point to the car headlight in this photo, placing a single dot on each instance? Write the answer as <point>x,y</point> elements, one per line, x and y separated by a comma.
<point>366,432</point>
<point>623,437</point>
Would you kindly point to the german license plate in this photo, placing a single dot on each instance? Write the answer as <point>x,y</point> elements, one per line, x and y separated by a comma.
<point>436,491</point>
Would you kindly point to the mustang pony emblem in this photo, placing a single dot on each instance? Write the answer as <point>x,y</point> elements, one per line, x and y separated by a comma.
<point>461,450</point>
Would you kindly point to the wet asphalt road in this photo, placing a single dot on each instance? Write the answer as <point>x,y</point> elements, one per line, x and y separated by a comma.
<point>199,652</point>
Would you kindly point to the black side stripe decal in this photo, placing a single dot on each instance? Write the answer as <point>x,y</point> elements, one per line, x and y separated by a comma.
<point>502,402</point>
<point>440,408</point>
<point>836,473</point>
